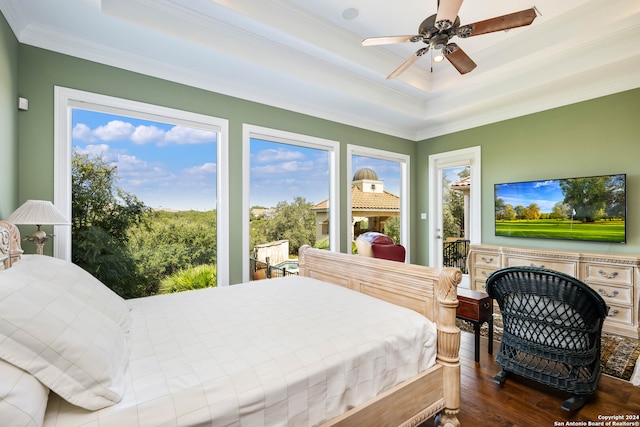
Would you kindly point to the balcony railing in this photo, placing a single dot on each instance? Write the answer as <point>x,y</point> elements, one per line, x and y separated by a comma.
<point>264,270</point>
<point>455,254</point>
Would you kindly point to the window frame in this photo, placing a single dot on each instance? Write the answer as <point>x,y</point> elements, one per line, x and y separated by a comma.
<point>405,162</point>
<point>66,99</point>
<point>333,149</point>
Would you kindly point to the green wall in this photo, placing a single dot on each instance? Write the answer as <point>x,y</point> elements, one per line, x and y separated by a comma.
<point>594,137</point>
<point>41,70</point>
<point>8,119</point>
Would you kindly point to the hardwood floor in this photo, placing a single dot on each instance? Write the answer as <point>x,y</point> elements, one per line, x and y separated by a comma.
<point>521,403</point>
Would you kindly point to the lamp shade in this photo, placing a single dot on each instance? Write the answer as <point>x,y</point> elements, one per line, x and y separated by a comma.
<point>38,212</point>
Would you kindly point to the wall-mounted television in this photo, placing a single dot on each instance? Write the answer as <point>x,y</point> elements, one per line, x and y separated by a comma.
<point>592,208</point>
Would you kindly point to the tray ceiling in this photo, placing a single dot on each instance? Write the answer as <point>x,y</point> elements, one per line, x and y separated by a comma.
<point>306,56</point>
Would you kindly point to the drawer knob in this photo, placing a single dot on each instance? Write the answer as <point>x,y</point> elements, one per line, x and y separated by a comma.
<point>536,266</point>
<point>613,313</point>
<point>604,293</point>
<point>487,260</point>
<point>606,275</point>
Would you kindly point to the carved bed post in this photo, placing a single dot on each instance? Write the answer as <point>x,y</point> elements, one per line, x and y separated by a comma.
<point>14,248</point>
<point>449,344</point>
<point>5,242</point>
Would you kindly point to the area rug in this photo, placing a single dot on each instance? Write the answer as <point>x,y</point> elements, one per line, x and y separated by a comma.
<point>618,354</point>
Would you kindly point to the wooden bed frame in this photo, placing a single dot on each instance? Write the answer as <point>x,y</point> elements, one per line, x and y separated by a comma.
<point>10,247</point>
<point>430,291</point>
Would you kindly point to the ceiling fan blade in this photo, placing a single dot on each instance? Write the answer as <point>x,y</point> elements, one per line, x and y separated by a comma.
<point>408,63</point>
<point>376,41</point>
<point>447,13</point>
<point>505,22</point>
<point>458,58</point>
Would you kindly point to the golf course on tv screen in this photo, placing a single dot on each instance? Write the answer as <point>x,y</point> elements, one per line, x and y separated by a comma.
<point>588,208</point>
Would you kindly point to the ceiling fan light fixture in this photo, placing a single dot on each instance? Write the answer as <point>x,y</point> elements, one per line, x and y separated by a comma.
<point>437,30</point>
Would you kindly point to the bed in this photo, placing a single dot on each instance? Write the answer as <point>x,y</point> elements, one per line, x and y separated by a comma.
<point>288,351</point>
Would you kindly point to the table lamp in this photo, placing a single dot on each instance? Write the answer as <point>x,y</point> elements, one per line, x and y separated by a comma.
<point>38,212</point>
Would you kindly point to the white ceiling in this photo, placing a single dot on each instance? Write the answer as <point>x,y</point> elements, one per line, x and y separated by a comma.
<point>302,55</point>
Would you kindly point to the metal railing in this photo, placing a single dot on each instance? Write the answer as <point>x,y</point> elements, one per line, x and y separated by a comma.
<point>454,254</point>
<point>264,270</point>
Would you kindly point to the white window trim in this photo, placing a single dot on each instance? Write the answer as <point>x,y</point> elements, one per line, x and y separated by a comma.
<point>66,99</point>
<point>404,161</point>
<point>275,135</point>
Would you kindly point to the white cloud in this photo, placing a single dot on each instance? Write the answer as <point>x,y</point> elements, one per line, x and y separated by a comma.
<point>95,150</point>
<point>118,130</point>
<point>185,135</point>
<point>82,132</point>
<point>147,134</point>
<point>126,162</point>
<point>135,173</point>
<point>115,130</point>
<point>206,168</point>
<point>279,155</point>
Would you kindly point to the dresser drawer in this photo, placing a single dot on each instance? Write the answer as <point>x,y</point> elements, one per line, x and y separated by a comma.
<point>619,314</point>
<point>570,268</point>
<point>487,260</point>
<point>479,285</point>
<point>602,273</point>
<point>482,273</point>
<point>613,294</point>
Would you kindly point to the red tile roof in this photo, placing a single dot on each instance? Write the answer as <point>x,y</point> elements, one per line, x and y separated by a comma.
<point>360,201</point>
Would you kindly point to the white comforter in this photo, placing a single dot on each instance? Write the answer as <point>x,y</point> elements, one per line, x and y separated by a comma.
<point>291,351</point>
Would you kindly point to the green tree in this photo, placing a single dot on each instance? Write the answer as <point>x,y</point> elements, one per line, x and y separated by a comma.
<point>560,211</point>
<point>616,197</point>
<point>499,208</point>
<point>101,215</point>
<point>257,232</point>
<point>453,208</point>
<point>294,222</point>
<point>169,242</point>
<point>533,211</point>
<point>509,212</point>
<point>392,228</point>
<point>588,196</point>
<point>521,212</point>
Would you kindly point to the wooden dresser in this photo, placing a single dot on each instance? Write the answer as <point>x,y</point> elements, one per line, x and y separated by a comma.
<point>615,277</point>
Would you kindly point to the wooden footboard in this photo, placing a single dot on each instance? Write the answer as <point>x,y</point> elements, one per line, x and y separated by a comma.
<point>431,292</point>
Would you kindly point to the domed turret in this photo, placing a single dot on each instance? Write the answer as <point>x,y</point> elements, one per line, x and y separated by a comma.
<point>365,173</point>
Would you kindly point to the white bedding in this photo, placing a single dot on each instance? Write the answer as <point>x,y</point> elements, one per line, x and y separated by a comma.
<point>290,351</point>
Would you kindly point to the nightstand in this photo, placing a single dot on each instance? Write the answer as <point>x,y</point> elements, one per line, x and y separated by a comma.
<point>476,307</point>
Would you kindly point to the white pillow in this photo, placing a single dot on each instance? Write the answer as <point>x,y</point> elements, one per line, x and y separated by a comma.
<point>23,399</point>
<point>71,348</point>
<point>79,283</point>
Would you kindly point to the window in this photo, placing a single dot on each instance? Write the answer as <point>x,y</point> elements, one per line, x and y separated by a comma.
<point>174,132</point>
<point>378,193</point>
<point>285,170</point>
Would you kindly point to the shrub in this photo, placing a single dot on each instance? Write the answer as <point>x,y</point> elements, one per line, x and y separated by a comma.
<point>198,277</point>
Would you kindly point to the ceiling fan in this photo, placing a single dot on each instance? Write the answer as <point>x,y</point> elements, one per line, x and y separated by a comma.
<point>438,29</point>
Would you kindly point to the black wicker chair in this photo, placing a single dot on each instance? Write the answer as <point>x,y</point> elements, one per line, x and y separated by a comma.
<point>552,328</point>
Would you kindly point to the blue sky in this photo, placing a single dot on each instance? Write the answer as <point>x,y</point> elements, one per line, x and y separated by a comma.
<point>174,167</point>
<point>543,193</point>
<point>163,164</point>
<point>280,172</point>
